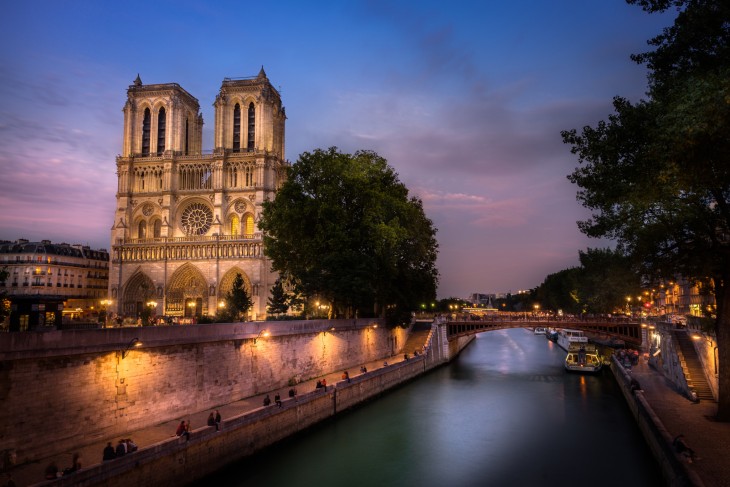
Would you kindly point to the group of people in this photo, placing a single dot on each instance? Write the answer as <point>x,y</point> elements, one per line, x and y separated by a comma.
<point>321,384</point>
<point>125,445</point>
<point>52,471</point>
<point>214,419</point>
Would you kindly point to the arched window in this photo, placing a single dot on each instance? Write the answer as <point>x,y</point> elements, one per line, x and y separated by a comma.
<point>235,225</point>
<point>142,229</point>
<point>161,131</point>
<point>157,229</point>
<point>251,126</point>
<point>186,137</point>
<point>146,132</point>
<point>237,128</point>
<point>248,229</point>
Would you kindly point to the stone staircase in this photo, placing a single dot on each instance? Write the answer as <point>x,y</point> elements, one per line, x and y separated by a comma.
<point>417,338</point>
<point>692,367</point>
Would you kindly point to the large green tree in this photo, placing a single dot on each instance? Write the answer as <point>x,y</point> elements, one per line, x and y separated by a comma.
<point>656,175</point>
<point>559,291</point>
<point>345,230</point>
<point>607,278</point>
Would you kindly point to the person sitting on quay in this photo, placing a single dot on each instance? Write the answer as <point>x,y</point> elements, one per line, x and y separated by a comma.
<point>131,446</point>
<point>217,420</point>
<point>183,430</point>
<point>51,471</point>
<point>109,453</point>
<point>363,369</point>
<point>75,465</point>
<point>211,419</point>
<point>346,376</point>
<point>681,447</point>
<point>324,384</point>
<point>121,449</point>
<point>293,393</point>
<point>267,400</point>
<point>277,399</point>
<point>319,385</point>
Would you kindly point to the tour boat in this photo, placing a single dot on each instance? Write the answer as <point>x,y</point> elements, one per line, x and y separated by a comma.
<point>539,331</point>
<point>583,358</point>
<point>567,337</point>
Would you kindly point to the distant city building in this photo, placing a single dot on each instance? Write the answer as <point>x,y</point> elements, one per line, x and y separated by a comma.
<point>478,299</point>
<point>45,281</point>
<point>185,222</point>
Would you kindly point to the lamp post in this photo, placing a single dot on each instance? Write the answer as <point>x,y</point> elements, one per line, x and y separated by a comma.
<point>105,303</point>
<point>262,333</point>
<point>133,343</point>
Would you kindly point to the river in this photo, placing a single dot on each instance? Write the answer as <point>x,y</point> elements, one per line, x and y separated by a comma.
<point>504,413</point>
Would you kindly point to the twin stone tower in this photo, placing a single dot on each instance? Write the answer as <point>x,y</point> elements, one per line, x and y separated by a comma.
<point>186,219</point>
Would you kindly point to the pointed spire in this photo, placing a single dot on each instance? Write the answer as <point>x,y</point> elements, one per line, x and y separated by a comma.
<point>138,81</point>
<point>262,73</point>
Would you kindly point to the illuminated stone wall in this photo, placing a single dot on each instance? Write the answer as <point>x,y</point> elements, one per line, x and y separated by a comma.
<point>77,383</point>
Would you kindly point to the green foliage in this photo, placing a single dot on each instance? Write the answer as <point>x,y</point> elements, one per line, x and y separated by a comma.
<point>278,302</point>
<point>606,279</point>
<point>656,175</point>
<point>345,230</point>
<point>559,291</point>
<point>237,302</point>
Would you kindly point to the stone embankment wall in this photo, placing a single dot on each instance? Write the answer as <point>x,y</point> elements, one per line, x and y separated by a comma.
<point>176,461</point>
<point>656,435</point>
<point>63,389</point>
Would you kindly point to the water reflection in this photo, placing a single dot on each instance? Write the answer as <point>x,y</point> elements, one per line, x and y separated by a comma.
<point>504,413</point>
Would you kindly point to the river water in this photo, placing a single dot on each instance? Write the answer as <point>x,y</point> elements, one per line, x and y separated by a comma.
<point>504,413</point>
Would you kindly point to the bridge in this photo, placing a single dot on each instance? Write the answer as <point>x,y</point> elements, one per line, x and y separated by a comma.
<point>630,331</point>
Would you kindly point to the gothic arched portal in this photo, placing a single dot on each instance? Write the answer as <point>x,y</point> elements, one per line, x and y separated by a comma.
<point>138,291</point>
<point>227,282</point>
<point>187,293</point>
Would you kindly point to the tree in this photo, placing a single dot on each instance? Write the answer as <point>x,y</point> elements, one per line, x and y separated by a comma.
<point>656,175</point>
<point>237,301</point>
<point>344,229</point>
<point>605,281</point>
<point>559,291</point>
<point>278,302</point>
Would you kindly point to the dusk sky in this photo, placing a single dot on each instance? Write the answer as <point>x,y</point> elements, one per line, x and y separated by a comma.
<point>465,99</point>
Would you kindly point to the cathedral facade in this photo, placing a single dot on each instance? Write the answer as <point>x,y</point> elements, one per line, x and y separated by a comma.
<point>185,223</point>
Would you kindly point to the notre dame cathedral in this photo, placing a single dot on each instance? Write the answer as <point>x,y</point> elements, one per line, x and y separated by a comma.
<point>186,219</point>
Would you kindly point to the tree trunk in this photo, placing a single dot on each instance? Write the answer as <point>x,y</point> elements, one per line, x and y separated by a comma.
<point>722,329</point>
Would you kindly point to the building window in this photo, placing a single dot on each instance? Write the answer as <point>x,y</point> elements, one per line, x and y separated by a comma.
<point>142,229</point>
<point>157,229</point>
<point>237,128</point>
<point>146,132</point>
<point>251,126</point>
<point>194,176</point>
<point>248,230</point>
<point>186,136</point>
<point>161,131</point>
<point>235,225</point>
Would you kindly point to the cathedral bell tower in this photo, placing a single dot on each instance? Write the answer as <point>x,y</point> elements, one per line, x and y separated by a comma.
<point>185,221</point>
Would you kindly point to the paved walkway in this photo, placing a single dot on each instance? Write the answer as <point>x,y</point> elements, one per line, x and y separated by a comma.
<point>34,473</point>
<point>709,439</point>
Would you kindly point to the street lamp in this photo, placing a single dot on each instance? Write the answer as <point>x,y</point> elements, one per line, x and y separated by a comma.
<point>133,343</point>
<point>262,333</point>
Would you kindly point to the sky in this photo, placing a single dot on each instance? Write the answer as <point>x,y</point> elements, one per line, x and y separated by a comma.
<point>465,99</point>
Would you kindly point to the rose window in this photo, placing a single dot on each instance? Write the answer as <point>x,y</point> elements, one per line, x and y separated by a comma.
<point>240,206</point>
<point>196,219</point>
<point>147,209</point>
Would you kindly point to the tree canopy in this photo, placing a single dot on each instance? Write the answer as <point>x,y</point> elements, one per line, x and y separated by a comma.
<point>656,174</point>
<point>237,302</point>
<point>344,229</point>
